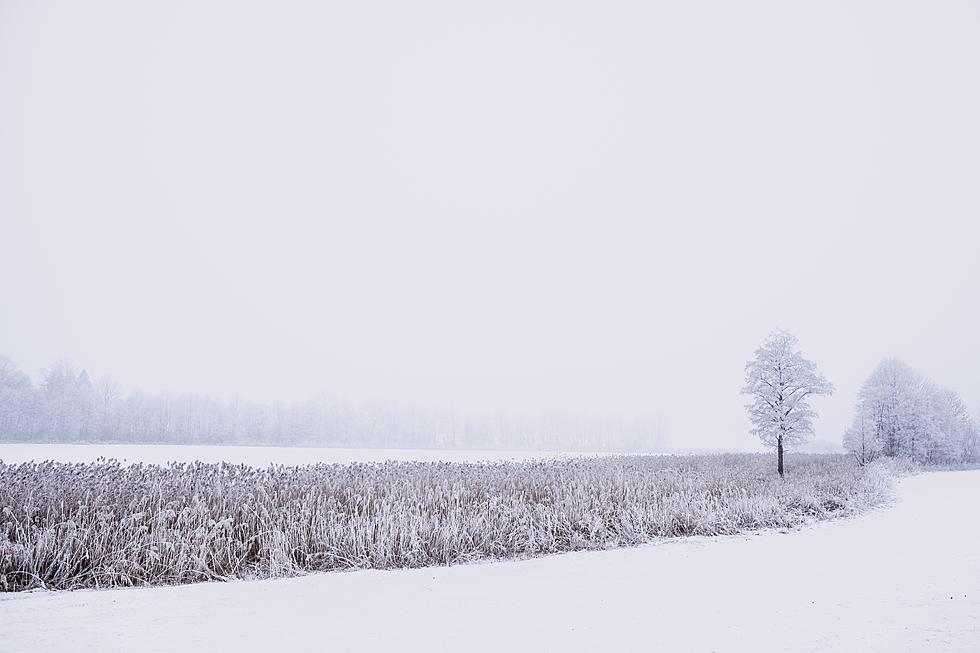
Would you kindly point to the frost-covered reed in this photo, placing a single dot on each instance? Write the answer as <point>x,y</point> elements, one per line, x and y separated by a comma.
<point>108,524</point>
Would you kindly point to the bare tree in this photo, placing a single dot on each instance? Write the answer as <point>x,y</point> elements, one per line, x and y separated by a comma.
<point>780,382</point>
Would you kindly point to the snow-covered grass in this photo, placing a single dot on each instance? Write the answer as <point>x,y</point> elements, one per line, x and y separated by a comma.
<point>905,578</point>
<point>106,524</point>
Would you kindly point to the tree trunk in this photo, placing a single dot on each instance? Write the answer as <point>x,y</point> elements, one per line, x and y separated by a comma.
<point>779,453</point>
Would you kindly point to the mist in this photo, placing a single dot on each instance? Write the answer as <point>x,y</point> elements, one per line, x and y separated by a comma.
<point>522,209</point>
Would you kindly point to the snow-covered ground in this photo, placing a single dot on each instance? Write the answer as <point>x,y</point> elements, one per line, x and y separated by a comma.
<point>904,578</point>
<point>161,454</point>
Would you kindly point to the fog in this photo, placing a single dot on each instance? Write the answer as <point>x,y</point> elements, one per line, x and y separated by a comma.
<point>595,209</point>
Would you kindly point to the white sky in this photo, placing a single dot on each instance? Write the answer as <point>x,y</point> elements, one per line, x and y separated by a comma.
<point>522,206</point>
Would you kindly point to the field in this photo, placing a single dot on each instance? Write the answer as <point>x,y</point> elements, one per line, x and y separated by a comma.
<point>902,578</point>
<point>107,524</point>
<point>161,454</point>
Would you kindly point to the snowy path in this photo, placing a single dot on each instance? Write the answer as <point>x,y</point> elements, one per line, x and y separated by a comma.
<point>906,578</point>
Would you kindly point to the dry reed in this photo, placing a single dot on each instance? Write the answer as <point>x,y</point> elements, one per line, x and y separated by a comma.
<point>106,524</point>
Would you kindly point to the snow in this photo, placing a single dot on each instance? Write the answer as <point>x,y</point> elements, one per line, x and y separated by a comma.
<point>161,454</point>
<point>903,578</point>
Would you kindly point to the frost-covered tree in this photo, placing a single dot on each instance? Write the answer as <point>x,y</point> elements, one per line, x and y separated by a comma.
<point>903,413</point>
<point>108,394</point>
<point>69,403</point>
<point>862,440</point>
<point>893,398</point>
<point>781,382</point>
<point>16,401</point>
<point>971,437</point>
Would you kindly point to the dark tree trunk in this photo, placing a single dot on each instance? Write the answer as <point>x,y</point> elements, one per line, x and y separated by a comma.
<point>779,453</point>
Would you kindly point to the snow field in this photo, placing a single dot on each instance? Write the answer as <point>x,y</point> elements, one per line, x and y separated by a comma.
<point>903,578</point>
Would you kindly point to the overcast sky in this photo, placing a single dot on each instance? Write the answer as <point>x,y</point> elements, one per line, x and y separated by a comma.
<point>582,207</point>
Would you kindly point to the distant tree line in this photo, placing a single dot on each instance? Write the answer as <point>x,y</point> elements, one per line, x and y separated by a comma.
<point>66,405</point>
<point>900,412</point>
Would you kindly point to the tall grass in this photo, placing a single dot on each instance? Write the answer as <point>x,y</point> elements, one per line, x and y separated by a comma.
<point>106,524</point>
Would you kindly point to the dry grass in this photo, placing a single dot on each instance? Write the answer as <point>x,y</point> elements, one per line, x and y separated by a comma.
<point>106,524</point>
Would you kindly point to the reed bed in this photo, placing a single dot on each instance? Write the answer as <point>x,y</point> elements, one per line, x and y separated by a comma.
<point>65,526</point>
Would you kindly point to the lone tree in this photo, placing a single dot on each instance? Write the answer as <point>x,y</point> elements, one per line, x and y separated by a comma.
<point>780,382</point>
